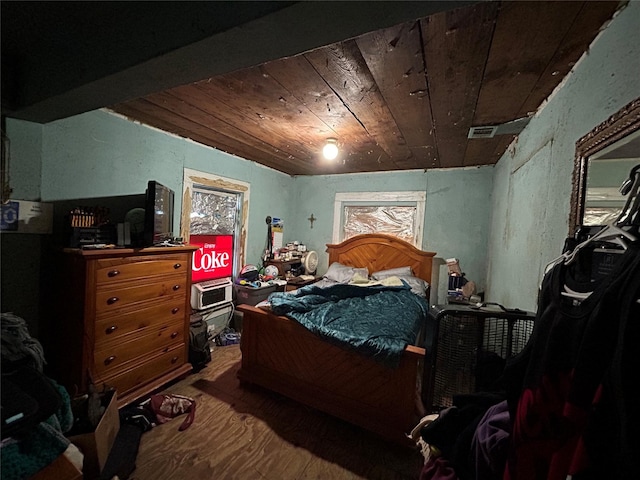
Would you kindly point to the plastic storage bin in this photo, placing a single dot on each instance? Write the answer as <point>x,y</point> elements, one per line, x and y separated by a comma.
<point>251,295</point>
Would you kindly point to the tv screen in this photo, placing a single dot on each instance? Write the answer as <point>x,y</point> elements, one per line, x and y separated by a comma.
<point>158,215</point>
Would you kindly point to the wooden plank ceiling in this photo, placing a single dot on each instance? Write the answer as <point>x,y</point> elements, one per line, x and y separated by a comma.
<point>395,99</point>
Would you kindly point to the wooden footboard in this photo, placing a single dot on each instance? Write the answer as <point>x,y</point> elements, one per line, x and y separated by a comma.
<point>281,355</point>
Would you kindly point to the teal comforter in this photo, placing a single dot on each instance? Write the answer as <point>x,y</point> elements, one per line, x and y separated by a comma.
<point>376,321</point>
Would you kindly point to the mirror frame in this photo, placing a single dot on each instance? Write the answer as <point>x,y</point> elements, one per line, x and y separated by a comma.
<point>622,123</point>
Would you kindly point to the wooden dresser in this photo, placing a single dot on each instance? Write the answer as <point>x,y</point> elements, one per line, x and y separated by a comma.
<point>122,319</point>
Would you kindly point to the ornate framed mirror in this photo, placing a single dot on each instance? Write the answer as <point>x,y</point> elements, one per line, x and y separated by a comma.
<point>603,160</point>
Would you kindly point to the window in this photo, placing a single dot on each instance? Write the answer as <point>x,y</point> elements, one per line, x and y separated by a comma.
<point>397,213</point>
<point>214,218</point>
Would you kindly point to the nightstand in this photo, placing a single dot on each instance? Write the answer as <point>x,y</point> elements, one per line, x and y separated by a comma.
<point>285,266</point>
<point>297,282</point>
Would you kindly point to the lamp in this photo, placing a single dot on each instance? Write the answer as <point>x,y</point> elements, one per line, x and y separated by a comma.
<point>330,149</point>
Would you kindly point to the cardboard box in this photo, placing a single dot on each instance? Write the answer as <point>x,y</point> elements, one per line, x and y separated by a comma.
<point>96,445</point>
<point>60,469</point>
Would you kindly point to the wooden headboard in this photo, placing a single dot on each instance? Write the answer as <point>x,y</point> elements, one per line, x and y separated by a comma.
<point>378,252</point>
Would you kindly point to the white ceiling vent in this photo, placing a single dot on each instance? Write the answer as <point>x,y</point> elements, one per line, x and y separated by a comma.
<point>482,132</point>
<point>509,128</point>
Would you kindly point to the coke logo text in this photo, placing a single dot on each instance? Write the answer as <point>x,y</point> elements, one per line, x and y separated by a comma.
<point>209,260</point>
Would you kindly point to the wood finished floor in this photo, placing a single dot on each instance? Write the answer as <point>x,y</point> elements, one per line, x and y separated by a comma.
<point>251,433</point>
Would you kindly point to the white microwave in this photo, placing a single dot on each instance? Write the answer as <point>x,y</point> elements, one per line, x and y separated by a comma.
<point>211,293</point>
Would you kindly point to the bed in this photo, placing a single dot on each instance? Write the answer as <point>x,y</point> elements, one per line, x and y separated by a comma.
<point>280,354</point>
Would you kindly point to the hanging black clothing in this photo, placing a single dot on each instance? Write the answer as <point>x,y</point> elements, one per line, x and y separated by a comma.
<point>570,390</point>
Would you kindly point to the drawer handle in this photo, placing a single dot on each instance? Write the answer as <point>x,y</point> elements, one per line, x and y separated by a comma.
<point>109,360</point>
<point>113,273</point>
<point>174,359</point>
<point>112,300</point>
<point>176,287</point>
<point>111,329</point>
<point>174,334</point>
<point>177,265</point>
<point>175,310</point>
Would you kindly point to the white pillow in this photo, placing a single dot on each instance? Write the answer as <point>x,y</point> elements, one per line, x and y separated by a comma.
<point>418,285</point>
<point>343,274</point>
<point>393,272</point>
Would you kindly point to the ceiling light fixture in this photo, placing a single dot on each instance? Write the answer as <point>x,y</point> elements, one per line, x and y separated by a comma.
<point>330,149</point>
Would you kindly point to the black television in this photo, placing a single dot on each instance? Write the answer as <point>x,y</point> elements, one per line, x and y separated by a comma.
<point>158,214</point>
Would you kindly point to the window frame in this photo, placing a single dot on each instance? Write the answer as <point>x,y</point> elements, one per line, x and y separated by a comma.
<point>197,180</point>
<point>342,199</point>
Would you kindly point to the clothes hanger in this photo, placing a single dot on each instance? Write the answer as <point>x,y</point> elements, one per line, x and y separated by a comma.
<point>568,292</point>
<point>616,232</point>
<point>623,229</point>
<point>613,233</point>
<point>609,234</point>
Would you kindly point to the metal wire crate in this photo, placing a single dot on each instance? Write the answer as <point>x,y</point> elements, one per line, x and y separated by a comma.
<point>467,349</point>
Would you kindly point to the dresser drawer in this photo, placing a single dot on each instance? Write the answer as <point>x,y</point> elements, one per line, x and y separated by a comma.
<point>120,318</point>
<point>154,367</point>
<point>112,357</point>
<point>114,270</point>
<point>140,321</point>
<point>112,299</point>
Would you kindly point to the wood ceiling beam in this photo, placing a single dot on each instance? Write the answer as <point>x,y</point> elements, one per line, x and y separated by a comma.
<point>346,72</point>
<point>590,18</point>
<point>456,45</point>
<point>518,55</point>
<point>150,113</point>
<point>299,77</point>
<point>394,58</point>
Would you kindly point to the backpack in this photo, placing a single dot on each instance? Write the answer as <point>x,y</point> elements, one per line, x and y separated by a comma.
<point>199,352</point>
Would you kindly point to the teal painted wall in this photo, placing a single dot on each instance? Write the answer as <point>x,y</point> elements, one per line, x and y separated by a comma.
<point>99,154</point>
<point>25,159</point>
<point>20,273</point>
<point>532,184</point>
<point>503,223</point>
<point>457,214</point>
